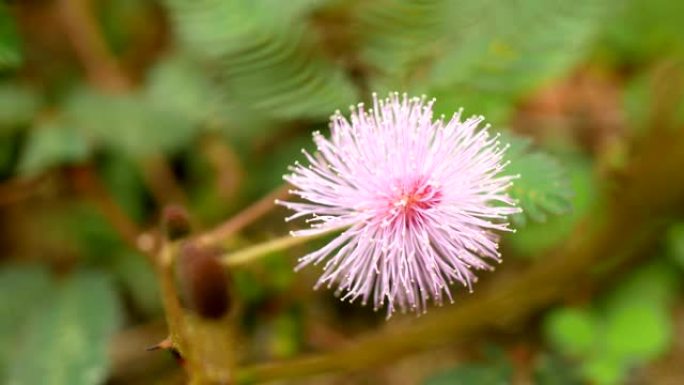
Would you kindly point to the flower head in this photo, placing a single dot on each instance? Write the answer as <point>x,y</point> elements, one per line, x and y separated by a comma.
<point>418,200</point>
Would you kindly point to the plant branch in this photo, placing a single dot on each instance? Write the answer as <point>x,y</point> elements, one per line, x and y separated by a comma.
<point>20,188</point>
<point>159,178</point>
<point>89,184</point>
<point>260,250</point>
<point>244,218</point>
<point>82,31</point>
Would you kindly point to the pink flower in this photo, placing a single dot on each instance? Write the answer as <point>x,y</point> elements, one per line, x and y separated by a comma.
<point>418,200</point>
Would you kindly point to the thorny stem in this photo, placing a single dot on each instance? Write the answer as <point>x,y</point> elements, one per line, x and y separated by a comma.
<point>172,306</point>
<point>207,345</point>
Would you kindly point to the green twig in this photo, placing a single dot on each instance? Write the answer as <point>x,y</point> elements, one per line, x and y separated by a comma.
<point>260,250</point>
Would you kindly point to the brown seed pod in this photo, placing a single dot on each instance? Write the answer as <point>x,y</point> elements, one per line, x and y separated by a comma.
<point>203,281</point>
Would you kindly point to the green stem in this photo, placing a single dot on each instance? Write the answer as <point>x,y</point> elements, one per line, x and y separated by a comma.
<point>260,250</point>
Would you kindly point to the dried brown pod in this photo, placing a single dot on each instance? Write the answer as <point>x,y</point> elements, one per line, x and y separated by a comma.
<point>203,281</point>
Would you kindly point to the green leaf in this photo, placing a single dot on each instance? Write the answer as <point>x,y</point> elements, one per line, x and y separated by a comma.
<point>441,46</point>
<point>638,327</point>
<point>399,35</point>
<point>496,108</point>
<point>137,276</point>
<point>123,179</point>
<point>543,187</point>
<point>266,56</point>
<point>10,45</point>
<point>176,85</point>
<point>23,293</point>
<point>95,237</point>
<point>128,123</point>
<point>643,30</point>
<point>536,237</point>
<point>52,144</point>
<point>66,341</point>
<point>179,85</point>
<point>18,105</point>
<point>655,284</point>
<point>604,370</point>
<point>638,332</point>
<point>572,331</point>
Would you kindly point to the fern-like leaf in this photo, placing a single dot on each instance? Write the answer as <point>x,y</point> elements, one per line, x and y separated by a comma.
<point>543,187</point>
<point>265,55</point>
<point>475,47</point>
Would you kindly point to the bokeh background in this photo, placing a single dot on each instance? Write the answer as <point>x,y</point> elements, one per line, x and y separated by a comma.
<point>112,109</point>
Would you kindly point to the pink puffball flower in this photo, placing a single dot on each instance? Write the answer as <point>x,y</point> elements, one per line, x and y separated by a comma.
<point>418,200</point>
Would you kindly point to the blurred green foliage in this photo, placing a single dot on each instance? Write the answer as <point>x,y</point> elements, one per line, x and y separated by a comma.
<point>57,332</point>
<point>10,49</point>
<point>675,244</point>
<point>542,188</point>
<point>18,106</point>
<point>494,370</point>
<point>52,144</point>
<point>553,370</point>
<point>535,238</point>
<point>629,326</point>
<point>258,77</point>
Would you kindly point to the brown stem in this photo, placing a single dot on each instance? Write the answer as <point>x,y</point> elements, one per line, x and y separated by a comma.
<point>81,28</point>
<point>225,164</point>
<point>89,184</point>
<point>244,218</point>
<point>19,189</point>
<point>160,179</point>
